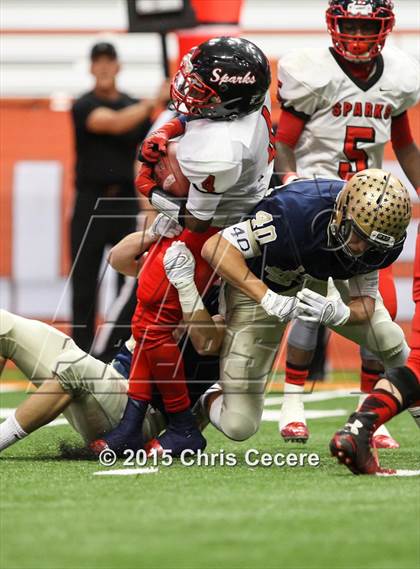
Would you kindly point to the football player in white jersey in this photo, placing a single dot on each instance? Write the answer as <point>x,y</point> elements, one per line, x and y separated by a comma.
<point>226,152</point>
<point>227,146</point>
<point>341,105</point>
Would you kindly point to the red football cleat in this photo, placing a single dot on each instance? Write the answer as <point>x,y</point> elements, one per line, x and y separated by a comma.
<point>384,441</point>
<point>98,446</point>
<point>153,447</point>
<point>296,432</point>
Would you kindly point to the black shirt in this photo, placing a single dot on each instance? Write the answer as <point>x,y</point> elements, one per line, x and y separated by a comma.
<point>105,159</point>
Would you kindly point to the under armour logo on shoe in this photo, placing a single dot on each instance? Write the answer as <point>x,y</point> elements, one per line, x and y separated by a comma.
<point>354,427</point>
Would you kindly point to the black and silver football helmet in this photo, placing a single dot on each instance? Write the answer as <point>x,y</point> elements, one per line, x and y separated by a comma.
<point>221,79</point>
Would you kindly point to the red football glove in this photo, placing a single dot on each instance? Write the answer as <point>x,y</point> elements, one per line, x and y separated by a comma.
<point>155,144</point>
<point>144,180</point>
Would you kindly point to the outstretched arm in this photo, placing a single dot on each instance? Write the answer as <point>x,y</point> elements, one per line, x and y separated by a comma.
<point>124,256</point>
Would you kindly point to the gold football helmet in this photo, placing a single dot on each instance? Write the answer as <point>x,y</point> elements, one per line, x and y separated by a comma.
<point>376,206</point>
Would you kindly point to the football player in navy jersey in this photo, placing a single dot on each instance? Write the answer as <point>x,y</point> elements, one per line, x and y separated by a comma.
<point>340,106</point>
<point>311,249</point>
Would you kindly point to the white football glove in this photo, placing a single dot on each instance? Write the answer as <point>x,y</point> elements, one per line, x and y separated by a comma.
<point>164,226</point>
<point>284,307</point>
<point>329,310</point>
<point>179,265</point>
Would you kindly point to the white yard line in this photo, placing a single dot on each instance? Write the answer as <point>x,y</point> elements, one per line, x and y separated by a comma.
<point>316,396</point>
<point>126,471</point>
<point>274,415</point>
<point>400,473</point>
<point>268,414</point>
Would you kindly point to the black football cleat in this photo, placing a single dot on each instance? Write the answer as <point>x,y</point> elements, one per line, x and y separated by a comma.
<point>351,445</point>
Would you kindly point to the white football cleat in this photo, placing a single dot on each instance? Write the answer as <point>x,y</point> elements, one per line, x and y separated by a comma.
<point>292,423</point>
<point>382,439</point>
<point>296,432</point>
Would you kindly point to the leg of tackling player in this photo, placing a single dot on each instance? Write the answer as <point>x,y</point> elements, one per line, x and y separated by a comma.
<point>91,394</point>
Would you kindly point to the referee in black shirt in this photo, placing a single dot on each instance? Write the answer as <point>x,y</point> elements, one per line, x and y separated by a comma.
<point>108,128</point>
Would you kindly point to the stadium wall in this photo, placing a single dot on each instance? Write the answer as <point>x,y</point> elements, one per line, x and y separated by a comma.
<point>44,66</point>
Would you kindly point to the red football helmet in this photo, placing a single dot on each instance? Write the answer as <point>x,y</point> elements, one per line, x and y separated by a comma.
<point>376,16</point>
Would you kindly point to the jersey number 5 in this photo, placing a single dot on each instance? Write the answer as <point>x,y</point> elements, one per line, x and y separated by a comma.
<point>354,135</point>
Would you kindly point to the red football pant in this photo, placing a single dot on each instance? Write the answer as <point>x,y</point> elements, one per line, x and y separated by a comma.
<point>413,361</point>
<point>158,313</point>
<point>164,366</point>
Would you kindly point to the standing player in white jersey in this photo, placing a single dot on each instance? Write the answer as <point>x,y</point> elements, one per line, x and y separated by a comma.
<point>341,105</point>
<point>226,152</point>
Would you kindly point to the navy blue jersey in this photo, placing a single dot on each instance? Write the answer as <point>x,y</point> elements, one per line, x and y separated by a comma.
<point>291,228</point>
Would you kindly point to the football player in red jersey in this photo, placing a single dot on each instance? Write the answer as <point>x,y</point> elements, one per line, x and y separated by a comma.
<point>397,391</point>
<point>226,152</point>
<point>341,105</point>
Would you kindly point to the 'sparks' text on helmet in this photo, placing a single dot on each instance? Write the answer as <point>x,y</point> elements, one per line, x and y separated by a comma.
<point>221,79</point>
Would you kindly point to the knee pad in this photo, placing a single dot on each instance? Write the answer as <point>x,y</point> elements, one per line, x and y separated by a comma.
<point>69,368</point>
<point>387,341</point>
<point>303,335</point>
<point>407,384</point>
<point>238,427</point>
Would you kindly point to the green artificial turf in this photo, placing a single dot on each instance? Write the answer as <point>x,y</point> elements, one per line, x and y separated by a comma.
<point>56,514</point>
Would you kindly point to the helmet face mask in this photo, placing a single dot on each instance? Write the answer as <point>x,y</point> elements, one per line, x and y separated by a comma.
<point>373,19</point>
<point>221,79</point>
<point>375,207</point>
<point>189,93</point>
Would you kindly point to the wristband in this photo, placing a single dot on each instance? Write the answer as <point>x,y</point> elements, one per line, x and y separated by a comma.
<point>168,204</point>
<point>189,298</point>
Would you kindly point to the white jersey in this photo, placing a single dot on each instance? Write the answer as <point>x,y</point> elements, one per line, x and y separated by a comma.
<point>229,165</point>
<point>348,122</point>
